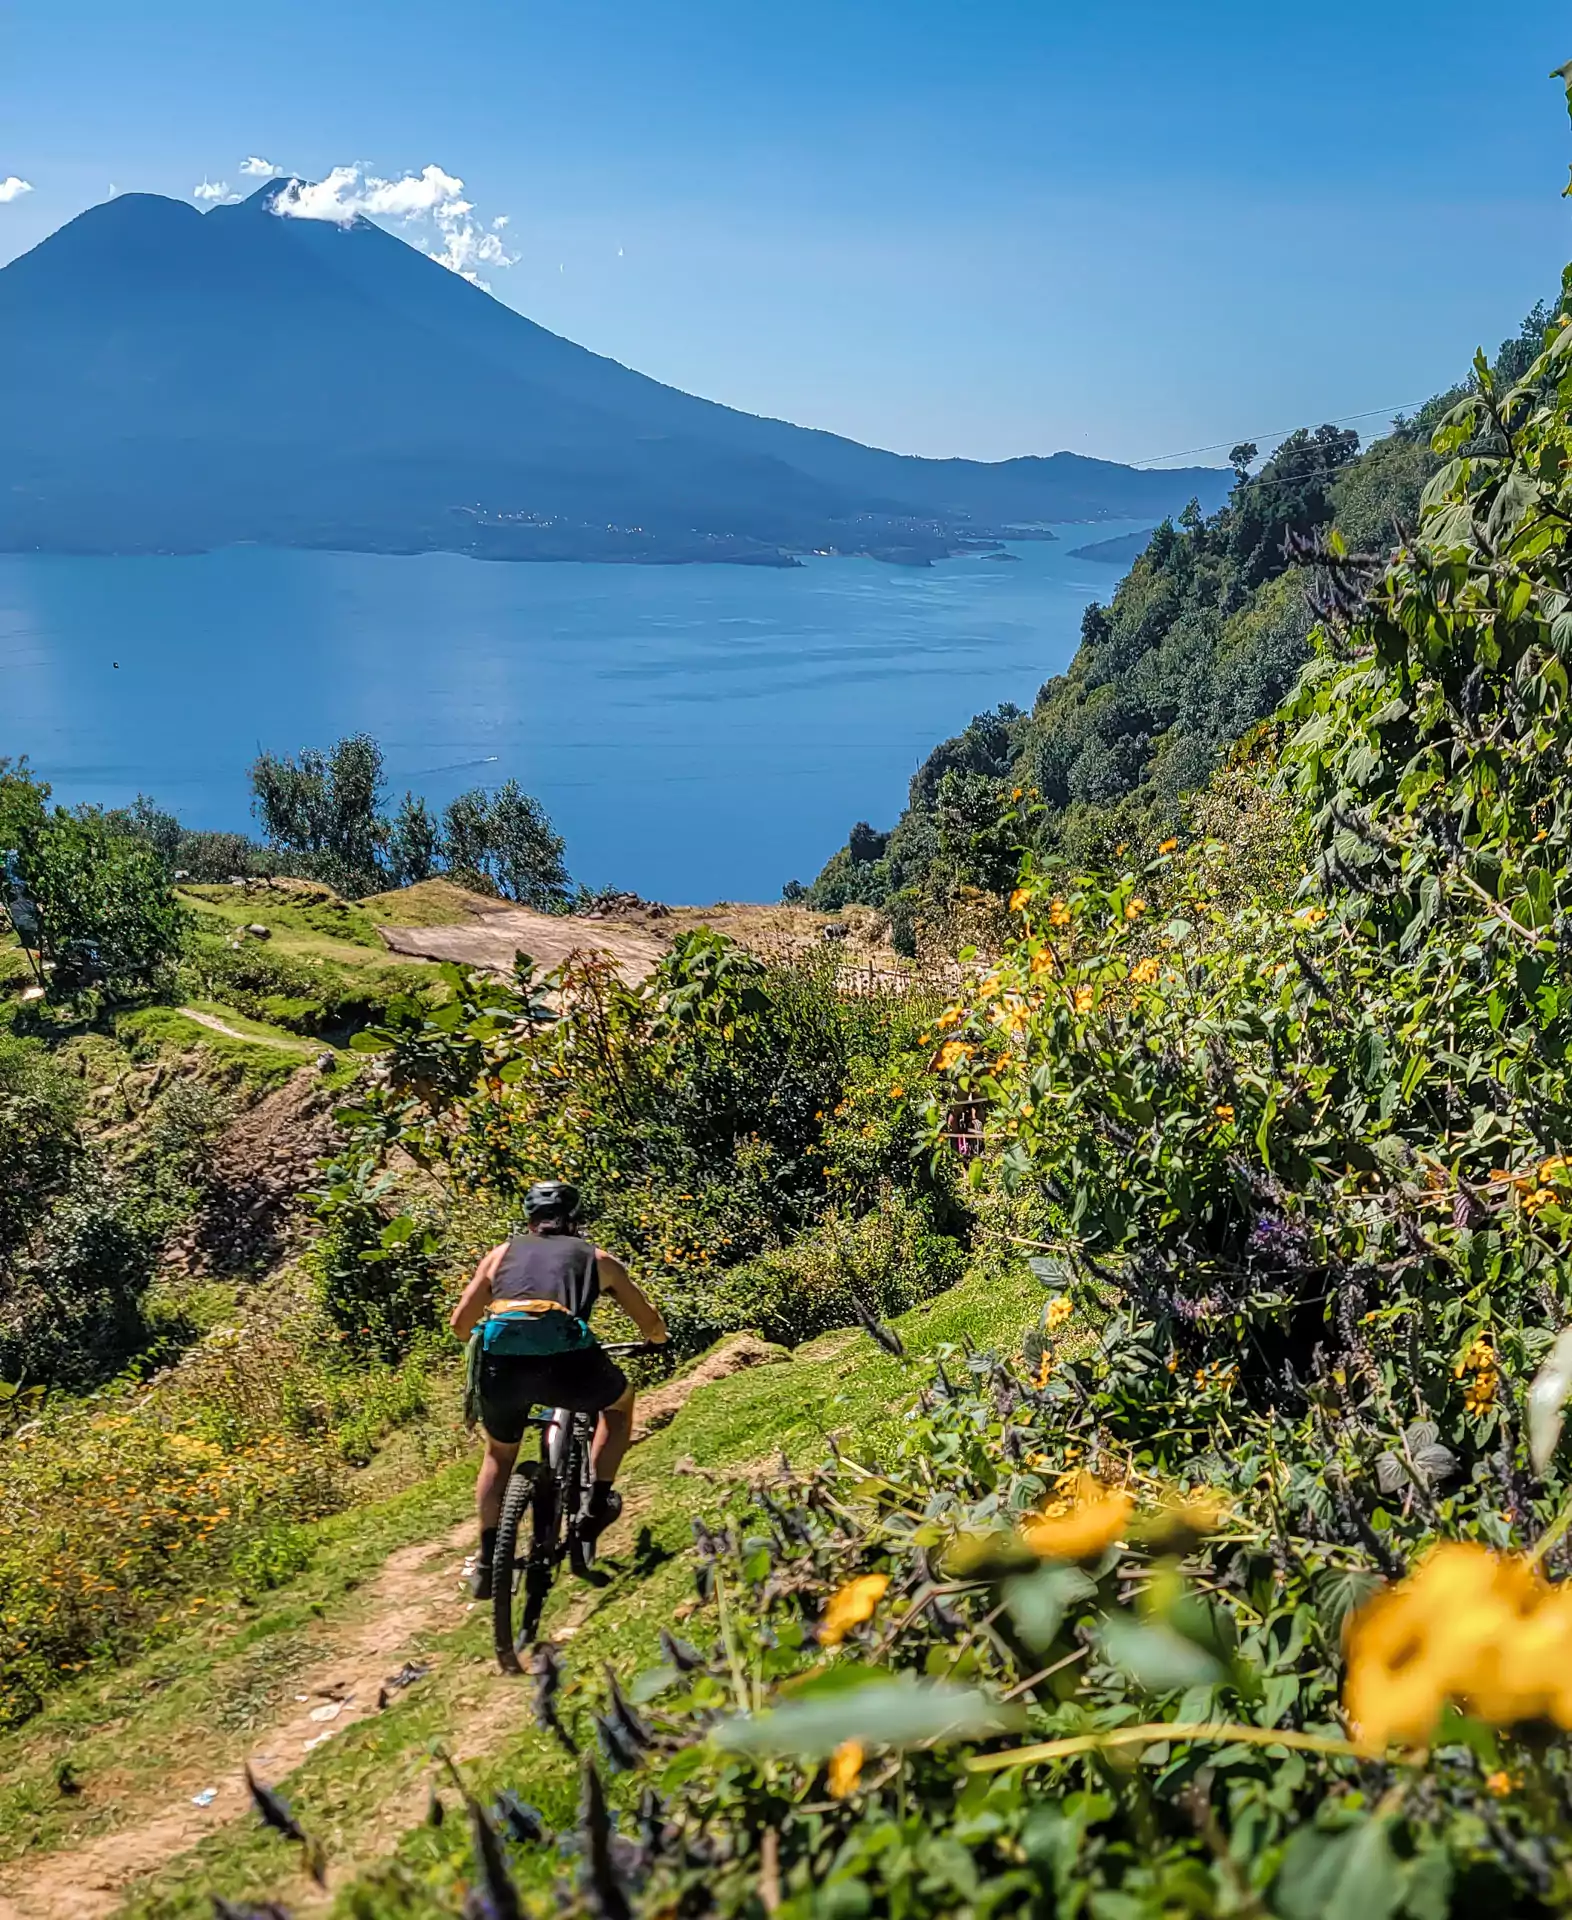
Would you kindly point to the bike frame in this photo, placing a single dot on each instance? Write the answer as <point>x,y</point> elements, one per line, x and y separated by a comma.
<point>558,1497</point>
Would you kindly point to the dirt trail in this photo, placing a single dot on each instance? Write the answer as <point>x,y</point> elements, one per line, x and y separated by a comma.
<point>414,1595</point>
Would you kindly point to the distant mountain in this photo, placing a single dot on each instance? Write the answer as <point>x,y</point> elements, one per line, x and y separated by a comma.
<point>1117,552</point>
<point>173,380</point>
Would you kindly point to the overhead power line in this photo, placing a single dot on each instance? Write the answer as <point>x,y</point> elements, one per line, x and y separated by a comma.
<point>1281,433</point>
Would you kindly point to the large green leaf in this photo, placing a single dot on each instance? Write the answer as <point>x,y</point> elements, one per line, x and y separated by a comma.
<point>1352,1875</point>
<point>902,1711</point>
<point>1154,1656</point>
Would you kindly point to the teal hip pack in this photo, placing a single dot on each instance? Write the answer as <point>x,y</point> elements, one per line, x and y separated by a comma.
<point>534,1334</point>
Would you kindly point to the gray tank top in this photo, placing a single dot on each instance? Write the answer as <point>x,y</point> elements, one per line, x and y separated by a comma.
<point>549,1266</point>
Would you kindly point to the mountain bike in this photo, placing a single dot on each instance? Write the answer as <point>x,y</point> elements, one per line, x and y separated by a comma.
<point>543,1522</point>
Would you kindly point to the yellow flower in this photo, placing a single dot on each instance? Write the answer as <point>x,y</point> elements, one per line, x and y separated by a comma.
<point>1084,997</point>
<point>951,1054</point>
<point>1095,1520</point>
<point>951,1017</point>
<point>1044,961</point>
<point>1144,972</point>
<point>1057,1311</point>
<point>1168,846</point>
<point>1134,909</point>
<point>1499,1783</point>
<point>1223,1111</point>
<point>845,1769</point>
<point>1120,849</point>
<point>1019,898</point>
<point>1058,914</point>
<point>1468,1626</point>
<point>1017,793</point>
<point>1480,1354</point>
<point>897,1093</point>
<point>851,1606</point>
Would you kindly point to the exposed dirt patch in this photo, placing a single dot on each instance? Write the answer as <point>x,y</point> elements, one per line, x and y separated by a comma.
<point>487,934</point>
<point>409,1598</point>
<point>491,940</point>
<point>252,1216</point>
<point>660,1406</point>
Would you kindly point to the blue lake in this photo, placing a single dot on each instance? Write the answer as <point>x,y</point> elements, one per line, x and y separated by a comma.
<point>697,733</point>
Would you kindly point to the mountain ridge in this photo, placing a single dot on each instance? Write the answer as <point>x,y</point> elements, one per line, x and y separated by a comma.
<point>377,400</point>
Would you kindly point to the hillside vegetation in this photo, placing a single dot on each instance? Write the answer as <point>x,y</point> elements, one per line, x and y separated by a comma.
<point>1203,638</point>
<point>1254,1602</point>
<point>1154,1502</point>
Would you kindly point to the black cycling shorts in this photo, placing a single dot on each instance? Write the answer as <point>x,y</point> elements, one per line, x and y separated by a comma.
<point>585,1381</point>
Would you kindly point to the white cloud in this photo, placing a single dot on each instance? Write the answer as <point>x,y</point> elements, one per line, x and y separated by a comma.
<point>12,188</point>
<point>431,196</point>
<point>258,169</point>
<point>213,190</point>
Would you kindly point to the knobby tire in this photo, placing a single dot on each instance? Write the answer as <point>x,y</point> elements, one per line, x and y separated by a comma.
<point>516,1505</point>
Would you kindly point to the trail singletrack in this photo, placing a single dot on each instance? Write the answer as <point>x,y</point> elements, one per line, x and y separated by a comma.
<point>414,1595</point>
<point>286,1042</point>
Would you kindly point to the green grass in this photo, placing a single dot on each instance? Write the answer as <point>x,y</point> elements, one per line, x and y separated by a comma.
<point>841,1383</point>
<point>265,1059</point>
<point>298,923</point>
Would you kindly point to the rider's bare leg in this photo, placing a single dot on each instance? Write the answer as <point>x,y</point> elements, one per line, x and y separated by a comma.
<point>495,1470</point>
<point>612,1434</point>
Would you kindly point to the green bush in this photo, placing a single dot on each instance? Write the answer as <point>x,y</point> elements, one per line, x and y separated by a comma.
<point>109,917</point>
<point>71,1311</point>
<point>40,1104</point>
<point>121,1519</point>
<point>890,1259</point>
<point>271,1557</point>
<point>378,1271</point>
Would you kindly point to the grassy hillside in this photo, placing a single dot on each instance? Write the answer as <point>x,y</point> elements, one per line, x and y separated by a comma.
<point>137,1739</point>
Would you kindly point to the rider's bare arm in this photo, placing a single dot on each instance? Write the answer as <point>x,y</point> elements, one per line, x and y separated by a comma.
<point>635,1303</point>
<point>476,1297</point>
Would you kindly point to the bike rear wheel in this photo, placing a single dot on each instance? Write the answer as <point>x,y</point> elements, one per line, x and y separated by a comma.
<point>522,1563</point>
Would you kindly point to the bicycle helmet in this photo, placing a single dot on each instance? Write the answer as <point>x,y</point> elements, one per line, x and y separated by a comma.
<point>551,1200</point>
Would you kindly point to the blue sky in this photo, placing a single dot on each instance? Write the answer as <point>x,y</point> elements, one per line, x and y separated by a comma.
<point>987,228</point>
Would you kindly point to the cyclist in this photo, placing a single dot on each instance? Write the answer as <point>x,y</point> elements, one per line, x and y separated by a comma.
<point>535,1294</point>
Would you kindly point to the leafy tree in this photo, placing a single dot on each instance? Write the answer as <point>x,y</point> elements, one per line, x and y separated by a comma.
<point>414,843</point>
<point>865,845</point>
<point>211,858</point>
<point>109,917</point>
<point>466,838</point>
<point>327,808</point>
<point>527,856</point>
<point>23,802</point>
<point>505,842</point>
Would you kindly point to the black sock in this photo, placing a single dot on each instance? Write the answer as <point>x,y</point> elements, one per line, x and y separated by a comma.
<point>600,1495</point>
<point>488,1545</point>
